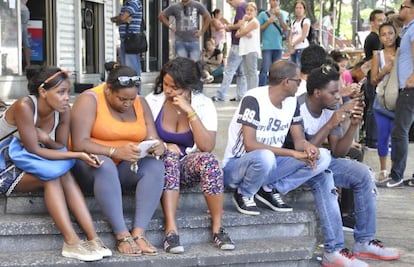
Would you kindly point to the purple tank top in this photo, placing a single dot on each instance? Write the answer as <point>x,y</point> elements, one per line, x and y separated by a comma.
<point>182,140</point>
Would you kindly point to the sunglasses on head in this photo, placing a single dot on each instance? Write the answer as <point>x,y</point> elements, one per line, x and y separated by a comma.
<point>326,69</point>
<point>127,81</point>
<point>405,6</point>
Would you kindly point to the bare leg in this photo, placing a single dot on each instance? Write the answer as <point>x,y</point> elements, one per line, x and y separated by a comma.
<point>55,203</point>
<point>169,203</point>
<point>215,205</point>
<point>77,205</point>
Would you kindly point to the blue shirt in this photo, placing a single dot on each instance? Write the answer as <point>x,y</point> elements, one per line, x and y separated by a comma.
<point>271,37</point>
<point>134,9</point>
<point>405,57</point>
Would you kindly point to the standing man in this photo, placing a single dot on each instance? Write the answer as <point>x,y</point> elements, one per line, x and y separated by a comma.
<point>272,25</point>
<point>131,16</point>
<point>404,112</point>
<point>234,60</point>
<point>187,34</point>
<point>25,17</point>
<point>372,43</point>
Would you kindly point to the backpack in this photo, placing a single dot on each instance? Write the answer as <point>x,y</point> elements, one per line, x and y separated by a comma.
<point>311,33</point>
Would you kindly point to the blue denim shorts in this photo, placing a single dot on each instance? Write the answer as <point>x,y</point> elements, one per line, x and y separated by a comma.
<point>9,177</point>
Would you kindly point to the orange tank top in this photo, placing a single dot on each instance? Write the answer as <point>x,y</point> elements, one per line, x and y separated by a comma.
<point>109,131</point>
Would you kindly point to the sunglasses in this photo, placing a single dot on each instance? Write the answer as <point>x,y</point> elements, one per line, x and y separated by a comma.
<point>298,81</point>
<point>64,72</point>
<point>129,81</point>
<point>405,6</point>
<point>326,69</point>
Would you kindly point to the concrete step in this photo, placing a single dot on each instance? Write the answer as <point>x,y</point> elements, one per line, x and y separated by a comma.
<point>33,203</point>
<point>286,252</point>
<point>38,232</point>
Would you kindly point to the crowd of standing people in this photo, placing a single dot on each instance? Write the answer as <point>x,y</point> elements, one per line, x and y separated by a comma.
<point>296,125</point>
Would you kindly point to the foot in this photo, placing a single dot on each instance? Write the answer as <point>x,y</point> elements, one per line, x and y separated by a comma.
<point>393,183</point>
<point>374,250</point>
<point>209,79</point>
<point>245,205</point>
<point>146,247</point>
<point>222,240</point>
<point>81,251</point>
<point>100,247</point>
<point>341,258</point>
<point>126,246</point>
<point>172,243</point>
<point>272,200</point>
<point>216,99</point>
<point>348,223</point>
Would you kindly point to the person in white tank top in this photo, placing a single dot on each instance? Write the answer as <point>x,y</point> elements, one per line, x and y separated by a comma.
<point>249,46</point>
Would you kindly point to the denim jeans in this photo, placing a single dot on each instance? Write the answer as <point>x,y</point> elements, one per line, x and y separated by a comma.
<point>234,64</point>
<point>296,57</point>
<point>250,67</point>
<point>188,49</point>
<point>268,57</point>
<point>357,176</point>
<point>131,60</point>
<point>261,167</point>
<point>404,117</point>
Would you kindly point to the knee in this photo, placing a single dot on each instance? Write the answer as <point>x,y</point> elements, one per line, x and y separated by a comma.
<point>264,160</point>
<point>324,159</point>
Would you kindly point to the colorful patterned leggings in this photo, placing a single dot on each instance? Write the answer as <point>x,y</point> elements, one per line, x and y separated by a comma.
<point>192,169</point>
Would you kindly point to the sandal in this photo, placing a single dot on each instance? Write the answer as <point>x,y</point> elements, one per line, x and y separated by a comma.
<point>151,250</point>
<point>131,242</point>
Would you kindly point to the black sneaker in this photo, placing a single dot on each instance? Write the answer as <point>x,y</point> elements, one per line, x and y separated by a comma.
<point>245,205</point>
<point>216,99</point>
<point>392,183</point>
<point>273,200</point>
<point>222,240</point>
<point>348,222</point>
<point>172,243</point>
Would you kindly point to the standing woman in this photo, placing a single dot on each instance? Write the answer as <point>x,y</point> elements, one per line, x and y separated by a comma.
<point>186,121</point>
<point>218,29</point>
<point>299,31</point>
<point>382,63</point>
<point>43,118</point>
<point>110,120</point>
<point>249,46</point>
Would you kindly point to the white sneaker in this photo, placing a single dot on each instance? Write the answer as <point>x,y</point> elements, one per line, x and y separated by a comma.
<point>341,258</point>
<point>100,247</point>
<point>374,250</point>
<point>80,251</point>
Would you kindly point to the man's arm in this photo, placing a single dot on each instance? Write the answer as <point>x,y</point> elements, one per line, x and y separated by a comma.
<point>206,24</point>
<point>164,19</point>
<point>410,79</point>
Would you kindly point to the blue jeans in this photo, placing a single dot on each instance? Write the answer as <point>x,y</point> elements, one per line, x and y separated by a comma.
<point>261,167</point>
<point>250,67</point>
<point>234,64</point>
<point>268,57</point>
<point>357,176</point>
<point>296,57</point>
<point>131,60</point>
<point>188,49</point>
<point>404,117</point>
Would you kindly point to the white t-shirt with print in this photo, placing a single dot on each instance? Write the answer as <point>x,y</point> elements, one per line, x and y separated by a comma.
<point>271,123</point>
<point>296,29</point>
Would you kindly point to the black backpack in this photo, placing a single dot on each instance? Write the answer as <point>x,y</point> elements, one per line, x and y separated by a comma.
<point>311,33</point>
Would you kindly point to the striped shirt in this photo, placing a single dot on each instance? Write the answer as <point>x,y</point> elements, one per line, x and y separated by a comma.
<point>134,9</point>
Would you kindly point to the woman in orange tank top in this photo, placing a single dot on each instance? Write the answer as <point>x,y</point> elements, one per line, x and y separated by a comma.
<point>110,121</point>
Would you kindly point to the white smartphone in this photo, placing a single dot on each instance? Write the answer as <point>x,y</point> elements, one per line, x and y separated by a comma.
<point>145,145</point>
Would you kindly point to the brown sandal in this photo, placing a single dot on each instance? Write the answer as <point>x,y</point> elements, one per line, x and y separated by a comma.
<point>131,242</point>
<point>152,250</point>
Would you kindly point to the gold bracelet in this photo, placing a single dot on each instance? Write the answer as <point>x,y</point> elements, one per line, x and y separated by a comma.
<point>191,115</point>
<point>111,151</point>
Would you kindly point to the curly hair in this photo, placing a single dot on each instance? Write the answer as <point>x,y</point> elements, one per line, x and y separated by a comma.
<point>320,77</point>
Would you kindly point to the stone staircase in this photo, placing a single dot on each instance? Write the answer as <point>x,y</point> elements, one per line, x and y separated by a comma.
<point>28,236</point>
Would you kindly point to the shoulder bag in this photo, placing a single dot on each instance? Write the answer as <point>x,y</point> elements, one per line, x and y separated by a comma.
<point>135,43</point>
<point>388,89</point>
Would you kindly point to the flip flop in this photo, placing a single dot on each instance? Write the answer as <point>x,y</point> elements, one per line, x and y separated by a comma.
<point>131,242</point>
<point>152,250</point>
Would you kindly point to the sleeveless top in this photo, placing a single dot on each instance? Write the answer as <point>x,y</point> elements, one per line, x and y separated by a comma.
<point>218,35</point>
<point>182,139</point>
<point>252,44</point>
<point>6,128</point>
<point>112,132</point>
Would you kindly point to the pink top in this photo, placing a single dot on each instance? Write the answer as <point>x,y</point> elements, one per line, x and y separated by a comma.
<point>219,36</point>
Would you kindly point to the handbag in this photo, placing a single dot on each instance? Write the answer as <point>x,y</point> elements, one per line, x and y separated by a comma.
<point>135,43</point>
<point>9,173</point>
<point>382,110</point>
<point>45,169</point>
<point>388,89</point>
